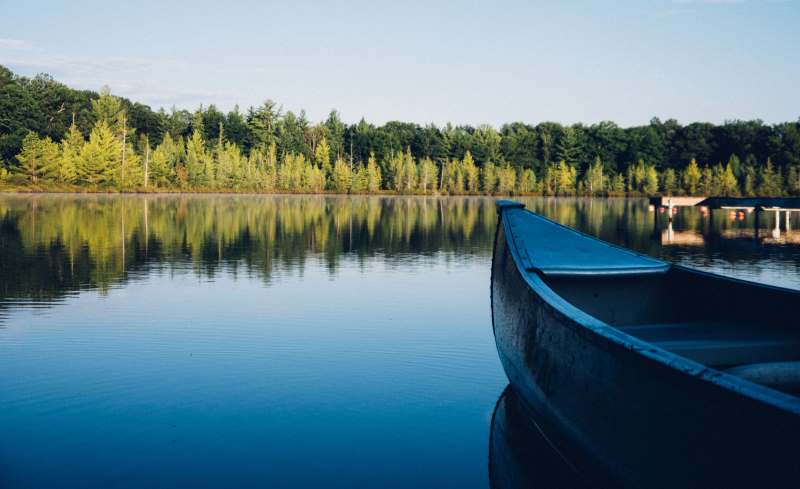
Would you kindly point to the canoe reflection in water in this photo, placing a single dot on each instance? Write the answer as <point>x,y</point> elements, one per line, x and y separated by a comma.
<point>520,456</point>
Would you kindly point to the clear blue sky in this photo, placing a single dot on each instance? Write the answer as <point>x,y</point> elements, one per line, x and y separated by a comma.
<point>427,61</point>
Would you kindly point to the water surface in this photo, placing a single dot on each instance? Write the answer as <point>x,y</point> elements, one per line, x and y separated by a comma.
<point>281,341</point>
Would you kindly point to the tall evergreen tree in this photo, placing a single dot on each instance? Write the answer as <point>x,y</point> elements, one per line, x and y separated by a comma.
<point>691,178</point>
<point>100,156</point>
<point>38,160</point>
<point>198,161</point>
<point>71,145</point>
<point>373,174</point>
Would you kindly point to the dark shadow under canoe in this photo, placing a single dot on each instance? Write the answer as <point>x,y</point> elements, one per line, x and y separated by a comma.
<point>520,455</point>
<point>666,376</point>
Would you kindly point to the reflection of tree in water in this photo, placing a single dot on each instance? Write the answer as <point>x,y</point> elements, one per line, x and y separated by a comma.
<point>51,244</point>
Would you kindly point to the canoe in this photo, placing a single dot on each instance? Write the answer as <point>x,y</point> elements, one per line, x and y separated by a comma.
<point>655,374</point>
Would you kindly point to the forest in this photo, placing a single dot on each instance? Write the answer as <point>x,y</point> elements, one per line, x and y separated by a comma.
<point>55,138</point>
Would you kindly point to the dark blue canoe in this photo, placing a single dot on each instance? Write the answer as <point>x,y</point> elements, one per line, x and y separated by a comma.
<point>654,374</point>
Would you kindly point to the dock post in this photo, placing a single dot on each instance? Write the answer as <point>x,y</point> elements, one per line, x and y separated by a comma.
<point>710,220</point>
<point>776,233</point>
<point>669,207</point>
<point>757,221</point>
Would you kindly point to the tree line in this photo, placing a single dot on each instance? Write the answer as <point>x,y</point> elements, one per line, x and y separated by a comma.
<point>52,136</point>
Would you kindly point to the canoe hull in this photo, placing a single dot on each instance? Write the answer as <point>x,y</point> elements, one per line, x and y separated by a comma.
<point>622,414</point>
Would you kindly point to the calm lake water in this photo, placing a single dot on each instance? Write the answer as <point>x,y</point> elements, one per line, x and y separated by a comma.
<point>286,341</point>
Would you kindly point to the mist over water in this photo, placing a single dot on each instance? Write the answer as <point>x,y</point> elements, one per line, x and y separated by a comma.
<point>282,341</point>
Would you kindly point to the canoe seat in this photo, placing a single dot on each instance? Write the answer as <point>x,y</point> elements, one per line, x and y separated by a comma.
<point>720,344</point>
<point>782,376</point>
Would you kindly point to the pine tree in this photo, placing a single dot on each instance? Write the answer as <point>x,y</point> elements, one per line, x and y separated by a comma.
<point>322,157</point>
<point>527,181</point>
<point>269,171</point>
<point>314,178</point>
<point>100,156</point>
<point>669,182</point>
<point>595,179</point>
<point>428,175</point>
<point>568,148</point>
<point>230,163</point>
<point>736,166</point>
<point>360,180</point>
<point>707,181</point>
<point>373,174</point>
<point>470,173</point>
<point>750,179</point>
<point>728,184</point>
<point>793,180</point>
<point>108,109</point>
<point>38,159</point>
<point>165,161</point>
<point>618,184</point>
<point>630,179</point>
<point>453,177</point>
<point>691,178</point>
<point>566,178</point>
<point>197,161</point>
<point>770,183</point>
<point>409,173</point>
<point>342,176</point>
<point>650,186</point>
<point>395,167</point>
<point>159,169</point>
<point>489,180</point>
<point>506,179</point>
<point>291,172</point>
<point>71,146</point>
<point>130,172</point>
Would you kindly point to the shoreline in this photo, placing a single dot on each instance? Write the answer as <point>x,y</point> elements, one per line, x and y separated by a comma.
<point>386,193</point>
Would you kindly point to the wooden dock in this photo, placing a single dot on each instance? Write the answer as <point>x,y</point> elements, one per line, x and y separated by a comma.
<point>748,203</point>
<point>674,201</point>
<point>708,205</point>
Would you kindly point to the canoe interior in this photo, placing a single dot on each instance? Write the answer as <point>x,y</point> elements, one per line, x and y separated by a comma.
<point>718,322</point>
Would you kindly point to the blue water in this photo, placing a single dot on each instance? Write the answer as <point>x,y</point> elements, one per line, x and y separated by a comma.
<point>218,341</point>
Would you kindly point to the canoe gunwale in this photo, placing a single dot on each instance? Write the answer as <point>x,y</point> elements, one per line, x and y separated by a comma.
<point>614,337</point>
